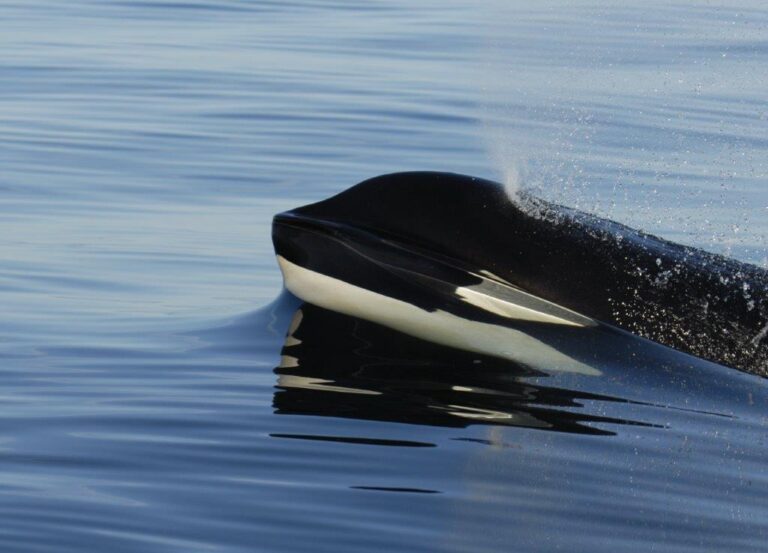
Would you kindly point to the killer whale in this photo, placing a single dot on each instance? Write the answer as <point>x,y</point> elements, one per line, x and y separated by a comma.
<point>452,259</point>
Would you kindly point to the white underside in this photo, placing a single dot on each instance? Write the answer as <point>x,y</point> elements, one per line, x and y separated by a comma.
<point>439,327</point>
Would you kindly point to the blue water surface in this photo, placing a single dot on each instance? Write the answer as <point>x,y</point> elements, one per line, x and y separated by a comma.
<point>146,406</point>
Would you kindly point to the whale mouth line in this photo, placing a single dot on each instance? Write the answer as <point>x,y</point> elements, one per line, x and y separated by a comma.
<point>478,288</point>
<point>365,234</point>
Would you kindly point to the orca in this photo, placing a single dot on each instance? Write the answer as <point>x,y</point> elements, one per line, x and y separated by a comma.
<point>454,260</point>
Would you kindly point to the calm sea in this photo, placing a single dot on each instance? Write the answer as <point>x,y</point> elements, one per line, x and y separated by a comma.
<point>145,404</point>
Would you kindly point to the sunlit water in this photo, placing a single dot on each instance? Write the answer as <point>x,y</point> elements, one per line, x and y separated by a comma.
<point>144,147</point>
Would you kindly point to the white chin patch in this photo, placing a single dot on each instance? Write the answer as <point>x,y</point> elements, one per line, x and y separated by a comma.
<point>512,303</point>
<point>439,327</point>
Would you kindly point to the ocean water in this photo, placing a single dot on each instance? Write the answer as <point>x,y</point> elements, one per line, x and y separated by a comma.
<point>151,400</point>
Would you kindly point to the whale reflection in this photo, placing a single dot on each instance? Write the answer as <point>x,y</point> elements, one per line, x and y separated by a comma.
<point>336,365</point>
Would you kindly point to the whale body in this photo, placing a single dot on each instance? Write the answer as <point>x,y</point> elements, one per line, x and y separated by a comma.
<point>452,259</point>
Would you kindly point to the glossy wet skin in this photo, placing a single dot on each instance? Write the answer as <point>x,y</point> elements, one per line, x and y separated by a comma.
<point>449,229</point>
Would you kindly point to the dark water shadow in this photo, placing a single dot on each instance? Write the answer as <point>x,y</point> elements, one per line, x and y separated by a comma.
<point>335,365</point>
